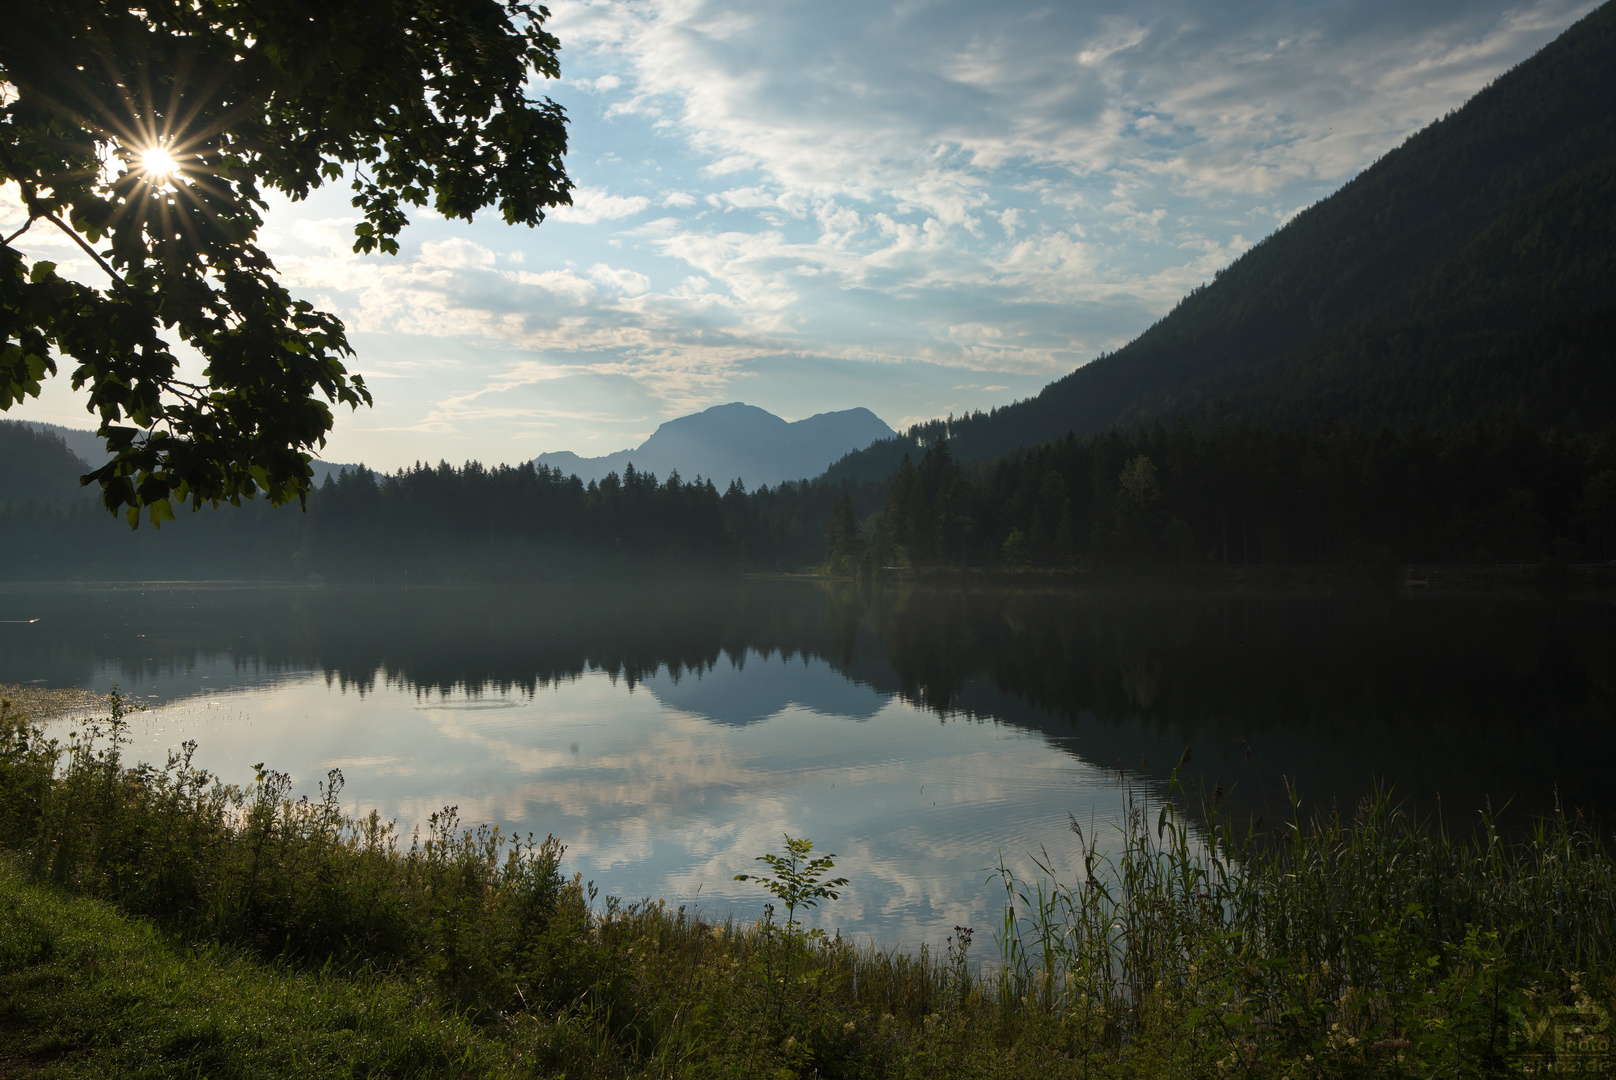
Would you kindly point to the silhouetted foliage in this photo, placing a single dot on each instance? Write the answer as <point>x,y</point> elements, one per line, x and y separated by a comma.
<point>151,137</point>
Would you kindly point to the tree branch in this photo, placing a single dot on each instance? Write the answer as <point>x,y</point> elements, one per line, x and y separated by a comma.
<point>81,242</point>
<point>7,241</point>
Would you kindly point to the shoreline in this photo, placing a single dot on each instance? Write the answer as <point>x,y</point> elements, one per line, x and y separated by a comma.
<point>1412,578</point>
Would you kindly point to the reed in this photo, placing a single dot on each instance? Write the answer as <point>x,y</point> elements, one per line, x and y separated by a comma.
<point>1329,939</point>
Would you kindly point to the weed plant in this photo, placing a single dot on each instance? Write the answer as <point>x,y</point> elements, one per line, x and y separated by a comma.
<point>1367,944</point>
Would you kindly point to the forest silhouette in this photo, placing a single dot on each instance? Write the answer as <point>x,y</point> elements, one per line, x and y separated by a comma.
<point>1228,494</point>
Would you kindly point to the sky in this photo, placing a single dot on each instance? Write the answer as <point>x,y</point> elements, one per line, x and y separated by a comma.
<point>923,208</point>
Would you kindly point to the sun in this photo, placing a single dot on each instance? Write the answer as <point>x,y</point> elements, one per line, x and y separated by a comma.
<point>158,163</point>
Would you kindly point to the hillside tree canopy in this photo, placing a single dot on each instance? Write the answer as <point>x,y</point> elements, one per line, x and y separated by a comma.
<point>151,136</point>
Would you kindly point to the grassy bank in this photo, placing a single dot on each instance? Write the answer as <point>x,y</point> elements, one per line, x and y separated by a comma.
<point>88,991</point>
<point>154,922</point>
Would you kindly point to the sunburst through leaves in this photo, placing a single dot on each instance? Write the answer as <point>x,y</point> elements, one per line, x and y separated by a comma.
<point>158,164</point>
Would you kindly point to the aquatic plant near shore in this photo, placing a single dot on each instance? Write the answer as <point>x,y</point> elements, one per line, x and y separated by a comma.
<point>1328,939</point>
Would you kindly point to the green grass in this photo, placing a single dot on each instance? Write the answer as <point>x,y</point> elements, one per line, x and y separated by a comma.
<point>154,922</point>
<point>86,991</point>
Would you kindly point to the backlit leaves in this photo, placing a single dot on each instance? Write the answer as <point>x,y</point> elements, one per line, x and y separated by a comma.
<point>416,103</point>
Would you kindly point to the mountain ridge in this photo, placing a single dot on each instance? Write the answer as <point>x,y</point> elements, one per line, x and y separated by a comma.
<point>81,450</point>
<point>1467,275</point>
<point>736,441</point>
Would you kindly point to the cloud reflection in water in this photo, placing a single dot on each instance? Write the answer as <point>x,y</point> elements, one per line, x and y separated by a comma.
<point>670,788</point>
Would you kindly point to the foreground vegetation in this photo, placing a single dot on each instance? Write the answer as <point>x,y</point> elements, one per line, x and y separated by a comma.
<point>155,922</point>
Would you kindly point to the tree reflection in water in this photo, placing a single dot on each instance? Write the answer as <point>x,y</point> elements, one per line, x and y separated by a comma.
<point>1453,701</point>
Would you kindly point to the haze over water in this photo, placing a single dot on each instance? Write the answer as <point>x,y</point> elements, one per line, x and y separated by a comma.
<point>670,733</point>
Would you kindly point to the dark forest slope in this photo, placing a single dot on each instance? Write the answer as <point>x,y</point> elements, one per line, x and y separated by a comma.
<point>36,466</point>
<point>1469,274</point>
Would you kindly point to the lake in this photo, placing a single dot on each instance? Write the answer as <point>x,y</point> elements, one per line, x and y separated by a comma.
<point>668,734</point>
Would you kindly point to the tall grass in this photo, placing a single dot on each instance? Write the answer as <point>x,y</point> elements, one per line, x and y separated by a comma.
<point>1329,939</point>
<point>286,877</point>
<point>1365,944</point>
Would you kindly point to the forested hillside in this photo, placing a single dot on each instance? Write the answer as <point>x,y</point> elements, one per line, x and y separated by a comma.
<point>1221,495</point>
<point>435,524</point>
<point>36,466</point>
<point>1468,275</point>
<point>1233,494</point>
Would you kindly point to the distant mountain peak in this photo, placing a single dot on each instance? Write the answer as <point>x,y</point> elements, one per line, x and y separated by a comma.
<point>736,441</point>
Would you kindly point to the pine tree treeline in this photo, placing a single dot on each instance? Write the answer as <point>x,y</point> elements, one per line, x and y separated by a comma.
<point>447,520</point>
<point>437,521</point>
<point>428,523</point>
<point>1224,494</point>
<point>1233,494</point>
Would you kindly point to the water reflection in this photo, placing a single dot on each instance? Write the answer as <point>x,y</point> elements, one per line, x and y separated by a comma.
<point>739,693</point>
<point>670,734</point>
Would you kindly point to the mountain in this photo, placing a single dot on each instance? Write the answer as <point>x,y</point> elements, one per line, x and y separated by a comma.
<point>1468,275</point>
<point>84,443</point>
<point>37,465</point>
<point>736,441</point>
<point>23,468</point>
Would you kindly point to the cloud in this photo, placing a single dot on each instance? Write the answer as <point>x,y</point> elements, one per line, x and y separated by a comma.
<point>895,129</point>
<point>899,192</point>
<point>456,254</point>
<point>928,104</point>
<point>627,282</point>
<point>600,85</point>
<point>591,205</point>
<point>562,284</point>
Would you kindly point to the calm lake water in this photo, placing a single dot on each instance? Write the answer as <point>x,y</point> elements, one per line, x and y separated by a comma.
<point>669,734</point>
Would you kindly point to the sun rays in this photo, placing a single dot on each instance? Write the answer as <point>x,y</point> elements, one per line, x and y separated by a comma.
<point>160,149</point>
<point>158,164</point>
